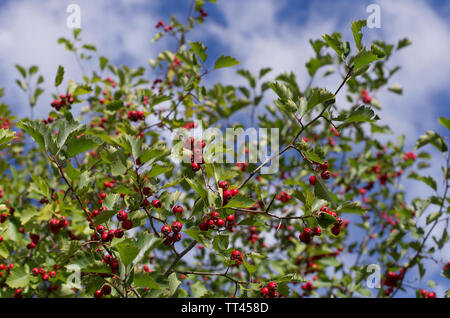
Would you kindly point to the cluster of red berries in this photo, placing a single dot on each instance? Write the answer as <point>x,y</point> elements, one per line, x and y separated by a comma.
<point>236,256</point>
<point>196,148</point>
<point>190,125</point>
<point>112,262</point>
<point>49,120</point>
<point>63,100</point>
<point>389,219</point>
<point>334,131</point>
<point>242,166</point>
<point>98,211</point>
<point>109,184</point>
<point>5,123</point>
<point>34,241</point>
<point>391,280</point>
<point>136,115</point>
<point>5,267</point>
<point>409,156</point>
<point>365,97</point>
<point>447,266</point>
<point>203,13</point>
<point>308,233</point>
<point>325,174</point>
<point>227,193</point>
<point>56,225</point>
<point>104,291</point>
<point>106,236</point>
<point>175,228</point>
<point>269,291</point>
<point>283,197</point>
<point>253,234</point>
<point>44,275</point>
<point>111,81</point>
<point>308,286</point>
<point>146,269</point>
<point>122,216</point>
<point>160,24</point>
<point>426,294</point>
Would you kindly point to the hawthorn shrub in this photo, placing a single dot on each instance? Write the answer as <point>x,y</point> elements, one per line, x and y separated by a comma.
<point>97,206</point>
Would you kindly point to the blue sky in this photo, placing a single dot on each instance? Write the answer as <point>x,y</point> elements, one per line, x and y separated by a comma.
<point>260,33</point>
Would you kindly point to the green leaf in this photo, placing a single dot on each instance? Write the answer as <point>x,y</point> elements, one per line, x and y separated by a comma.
<point>197,187</point>
<point>321,191</point>
<point>142,279</point>
<point>198,289</point>
<point>432,138</point>
<point>146,243</point>
<point>159,169</point>
<point>128,250</point>
<point>6,135</point>
<point>445,122</point>
<point>396,89</point>
<point>335,42</point>
<point>103,62</point>
<point>225,61</point>
<point>79,145</point>
<point>199,49</point>
<point>427,180</point>
<point>249,267</point>
<point>403,42</point>
<point>115,105</point>
<point>351,207</point>
<point>199,236</point>
<point>433,216</point>
<point>357,34</point>
<point>37,130</point>
<point>66,129</point>
<point>18,277</point>
<point>361,114</point>
<point>364,58</point>
<point>173,283</point>
<point>59,76</point>
<point>319,96</point>
<point>21,70</point>
<point>281,90</point>
<point>240,201</point>
<point>325,220</point>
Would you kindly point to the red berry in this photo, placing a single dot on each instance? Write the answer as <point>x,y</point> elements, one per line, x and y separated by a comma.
<point>166,230</point>
<point>118,233</point>
<point>227,194</point>
<point>264,292</point>
<point>127,224</point>
<point>220,222</point>
<point>156,204</point>
<point>234,192</point>
<point>215,215</point>
<point>230,218</point>
<point>98,294</point>
<point>176,237</point>
<point>431,295</point>
<point>317,231</point>
<point>122,215</point>
<point>100,229</point>
<point>177,209</point>
<point>312,180</point>
<point>272,286</point>
<point>325,175</point>
<point>223,185</point>
<point>195,166</point>
<point>324,166</point>
<point>177,226</point>
<point>336,230</point>
<point>106,290</point>
<point>103,195</point>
